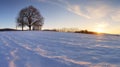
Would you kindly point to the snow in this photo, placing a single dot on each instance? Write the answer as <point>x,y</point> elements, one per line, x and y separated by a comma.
<point>55,49</point>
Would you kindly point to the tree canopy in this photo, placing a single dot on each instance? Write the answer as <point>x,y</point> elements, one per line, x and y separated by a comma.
<point>30,16</point>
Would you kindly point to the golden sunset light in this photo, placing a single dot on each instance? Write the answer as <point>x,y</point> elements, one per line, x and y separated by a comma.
<point>99,30</point>
<point>60,33</point>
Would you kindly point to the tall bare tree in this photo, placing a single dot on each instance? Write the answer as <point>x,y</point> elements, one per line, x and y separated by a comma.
<point>20,23</point>
<point>29,16</point>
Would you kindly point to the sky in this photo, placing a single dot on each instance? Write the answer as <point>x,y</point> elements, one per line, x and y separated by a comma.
<point>93,15</point>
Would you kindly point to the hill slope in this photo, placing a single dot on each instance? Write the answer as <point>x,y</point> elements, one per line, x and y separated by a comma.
<point>55,49</point>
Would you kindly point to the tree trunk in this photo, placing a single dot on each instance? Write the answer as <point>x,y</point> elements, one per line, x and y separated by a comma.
<point>40,27</point>
<point>29,19</point>
<point>29,28</point>
<point>22,28</point>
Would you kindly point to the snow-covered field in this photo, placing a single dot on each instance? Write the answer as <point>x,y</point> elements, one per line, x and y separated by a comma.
<point>55,49</point>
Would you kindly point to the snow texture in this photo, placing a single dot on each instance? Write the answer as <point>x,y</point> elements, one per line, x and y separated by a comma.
<point>55,49</point>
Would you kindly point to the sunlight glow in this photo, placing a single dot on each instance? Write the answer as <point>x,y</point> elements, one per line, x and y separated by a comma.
<point>99,30</point>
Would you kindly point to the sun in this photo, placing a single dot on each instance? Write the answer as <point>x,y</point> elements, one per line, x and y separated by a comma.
<point>99,30</point>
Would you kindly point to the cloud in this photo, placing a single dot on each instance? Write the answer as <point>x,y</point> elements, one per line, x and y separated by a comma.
<point>98,12</point>
<point>76,10</point>
<point>94,10</point>
<point>66,4</point>
<point>87,11</point>
<point>103,13</point>
<point>59,3</point>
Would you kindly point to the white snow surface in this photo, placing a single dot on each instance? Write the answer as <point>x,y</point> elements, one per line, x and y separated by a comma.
<point>55,49</point>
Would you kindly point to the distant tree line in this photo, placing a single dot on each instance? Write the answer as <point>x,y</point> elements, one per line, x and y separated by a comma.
<point>31,18</point>
<point>86,32</point>
<point>73,30</point>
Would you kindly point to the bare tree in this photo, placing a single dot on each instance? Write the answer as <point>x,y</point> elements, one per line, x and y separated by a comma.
<point>20,23</point>
<point>38,24</point>
<point>29,16</point>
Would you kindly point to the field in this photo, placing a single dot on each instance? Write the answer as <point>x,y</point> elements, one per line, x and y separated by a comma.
<point>55,49</point>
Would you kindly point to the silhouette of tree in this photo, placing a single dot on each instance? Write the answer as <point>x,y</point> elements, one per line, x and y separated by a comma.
<point>20,22</point>
<point>30,16</point>
<point>39,23</point>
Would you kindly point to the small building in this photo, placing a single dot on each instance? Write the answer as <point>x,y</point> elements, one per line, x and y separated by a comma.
<point>37,26</point>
